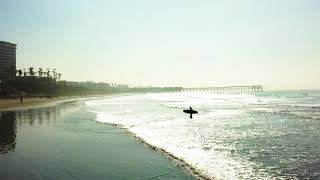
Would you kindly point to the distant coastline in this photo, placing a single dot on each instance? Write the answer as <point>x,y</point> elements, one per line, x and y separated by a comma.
<point>47,87</point>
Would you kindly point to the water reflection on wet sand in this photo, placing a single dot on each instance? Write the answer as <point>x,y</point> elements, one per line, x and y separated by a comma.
<point>11,121</point>
<point>50,143</point>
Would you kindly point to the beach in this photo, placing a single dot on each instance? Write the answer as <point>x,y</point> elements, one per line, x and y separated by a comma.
<point>12,104</point>
<point>147,136</point>
<point>59,139</point>
<point>143,90</point>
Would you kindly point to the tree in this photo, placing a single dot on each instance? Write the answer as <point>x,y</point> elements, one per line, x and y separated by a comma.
<point>40,72</point>
<point>20,72</point>
<point>31,72</point>
<point>54,74</point>
<point>24,72</point>
<point>48,73</point>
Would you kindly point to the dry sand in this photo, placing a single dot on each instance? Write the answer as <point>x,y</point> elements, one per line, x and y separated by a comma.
<point>13,104</point>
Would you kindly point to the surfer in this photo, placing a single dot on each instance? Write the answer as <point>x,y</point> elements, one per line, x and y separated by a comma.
<point>190,111</point>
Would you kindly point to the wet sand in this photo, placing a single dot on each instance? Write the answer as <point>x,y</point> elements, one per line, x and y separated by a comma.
<point>182,164</point>
<point>65,142</point>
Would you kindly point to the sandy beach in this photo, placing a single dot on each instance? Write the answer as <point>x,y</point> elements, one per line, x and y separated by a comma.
<point>14,104</point>
<point>36,102</point>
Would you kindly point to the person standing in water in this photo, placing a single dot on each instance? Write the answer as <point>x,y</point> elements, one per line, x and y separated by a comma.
<point>190,111</point>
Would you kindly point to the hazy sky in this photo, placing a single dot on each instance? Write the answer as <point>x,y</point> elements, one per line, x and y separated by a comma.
<point>189,43</point>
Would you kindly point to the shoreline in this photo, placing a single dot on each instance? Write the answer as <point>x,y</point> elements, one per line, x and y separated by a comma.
<point>64,142</point>
<point>182,164</point>
<point>29,103</point>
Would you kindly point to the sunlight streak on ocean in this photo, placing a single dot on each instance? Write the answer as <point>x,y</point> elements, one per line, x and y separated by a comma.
<point>234,136</point>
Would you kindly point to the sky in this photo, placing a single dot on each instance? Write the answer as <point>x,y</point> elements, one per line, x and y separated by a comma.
<point>190,43</point>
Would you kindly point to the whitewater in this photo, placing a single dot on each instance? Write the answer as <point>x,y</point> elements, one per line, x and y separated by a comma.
<point>234,136</point>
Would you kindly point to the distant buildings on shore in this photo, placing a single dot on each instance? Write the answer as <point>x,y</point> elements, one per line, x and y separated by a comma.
<point>7,61</point>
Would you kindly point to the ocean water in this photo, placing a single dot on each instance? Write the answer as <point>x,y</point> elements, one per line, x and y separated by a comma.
<point>235,136</point>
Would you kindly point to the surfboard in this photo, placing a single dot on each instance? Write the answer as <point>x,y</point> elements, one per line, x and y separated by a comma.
<point>188,111</point>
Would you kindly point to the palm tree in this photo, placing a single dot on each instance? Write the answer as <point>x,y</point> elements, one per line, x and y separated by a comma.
<point>40,72</point>
<point>48,73</point>
<point>24,72</point>
<point>31,72</point>
<point>54,74</point>
<point>20,72</point>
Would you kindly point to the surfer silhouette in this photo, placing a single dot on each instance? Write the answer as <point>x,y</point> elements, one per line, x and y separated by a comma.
<point>190,111</point>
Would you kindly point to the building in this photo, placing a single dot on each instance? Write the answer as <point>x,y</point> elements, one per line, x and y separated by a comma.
<point>7,61</point>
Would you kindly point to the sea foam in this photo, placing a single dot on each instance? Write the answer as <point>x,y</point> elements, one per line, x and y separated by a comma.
<point>234,136</point>
<point>158,120</point>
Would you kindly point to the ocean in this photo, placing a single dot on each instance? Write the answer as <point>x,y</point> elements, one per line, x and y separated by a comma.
<point>267,135</point>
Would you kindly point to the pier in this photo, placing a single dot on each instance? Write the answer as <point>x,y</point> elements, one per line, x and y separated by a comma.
<point>227,89</point>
